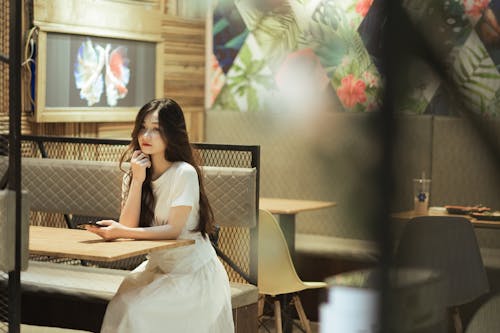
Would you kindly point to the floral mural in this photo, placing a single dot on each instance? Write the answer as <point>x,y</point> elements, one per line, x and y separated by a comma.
<point>464,35</point>
<point>290,49</point>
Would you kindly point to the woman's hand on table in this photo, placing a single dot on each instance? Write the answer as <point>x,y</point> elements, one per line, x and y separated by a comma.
<point>108,230</point>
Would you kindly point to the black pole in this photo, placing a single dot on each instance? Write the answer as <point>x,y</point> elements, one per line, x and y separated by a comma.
<point>385,127</point>
<point>14,184</point>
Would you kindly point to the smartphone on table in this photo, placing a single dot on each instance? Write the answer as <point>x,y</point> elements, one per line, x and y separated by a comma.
<point>82,225</point>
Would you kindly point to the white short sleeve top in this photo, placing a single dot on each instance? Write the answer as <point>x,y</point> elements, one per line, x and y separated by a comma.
<point>177,186</point>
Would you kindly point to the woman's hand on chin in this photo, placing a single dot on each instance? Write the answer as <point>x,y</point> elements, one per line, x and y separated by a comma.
<point>108,229</point>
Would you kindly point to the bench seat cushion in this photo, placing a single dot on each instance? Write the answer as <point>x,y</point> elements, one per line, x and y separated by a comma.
<point>73,280</point>
<point>491,257</point>
<point>101,283</point>
<point>243,294</point>
<point>336,247</point>
<point>45,329</point>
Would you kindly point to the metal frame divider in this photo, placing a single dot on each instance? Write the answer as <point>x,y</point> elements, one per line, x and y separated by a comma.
<point>14,170</point>
<point>254,151</point>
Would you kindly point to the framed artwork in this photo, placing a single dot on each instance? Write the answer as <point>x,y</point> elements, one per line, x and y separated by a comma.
<point>91,73</point>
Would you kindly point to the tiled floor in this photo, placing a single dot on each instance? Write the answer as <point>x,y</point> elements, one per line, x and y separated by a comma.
<point>269,324</point>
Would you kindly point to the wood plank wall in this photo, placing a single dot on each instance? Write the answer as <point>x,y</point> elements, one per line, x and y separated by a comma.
<point>184,61</point>
<point>184,75</point>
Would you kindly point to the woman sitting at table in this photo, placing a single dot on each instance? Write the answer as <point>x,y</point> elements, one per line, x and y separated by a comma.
<point>184,289</point>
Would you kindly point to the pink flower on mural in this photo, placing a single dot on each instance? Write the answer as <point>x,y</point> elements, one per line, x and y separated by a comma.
<point>363,6</point>
<point>475,8</point>
<point>217,79</point>
<point>370,79</point>
<point>351,91</point>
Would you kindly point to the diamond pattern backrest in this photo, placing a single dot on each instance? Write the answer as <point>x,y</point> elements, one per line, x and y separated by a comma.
<point>4,165</point>
<point>231,193</point>
<point>91,188</point>
<point>7,231</point>
<point>232,196</point>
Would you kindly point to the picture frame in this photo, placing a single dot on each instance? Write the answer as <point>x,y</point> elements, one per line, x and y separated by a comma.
<point>87,70</point>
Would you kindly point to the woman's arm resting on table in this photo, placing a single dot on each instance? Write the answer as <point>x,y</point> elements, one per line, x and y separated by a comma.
<point>131,208</point>
<point>176,221</point>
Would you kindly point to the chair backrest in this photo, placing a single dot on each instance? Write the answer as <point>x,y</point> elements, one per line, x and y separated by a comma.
<point>486,318</point>
<point>89,188</point>
<point>76,187</point>
<point>231,193</point>
<point>276,272</point>
<point>8,230</point>
<point>446,244</point>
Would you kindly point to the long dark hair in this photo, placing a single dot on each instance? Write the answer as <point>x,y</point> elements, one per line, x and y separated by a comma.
<point>173,130</point>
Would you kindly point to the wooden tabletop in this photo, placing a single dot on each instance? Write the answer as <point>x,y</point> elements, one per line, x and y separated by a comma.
<point>292,206</point>
<point>440,211</point>
<point>84,245</point>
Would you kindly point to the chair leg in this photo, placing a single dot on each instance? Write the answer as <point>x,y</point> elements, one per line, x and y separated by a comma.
<point>260,305</point>
<point>457,321</point>
<point>302,315</point>
<point>277,315</point>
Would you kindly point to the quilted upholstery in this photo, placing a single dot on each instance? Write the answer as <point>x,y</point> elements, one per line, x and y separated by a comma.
<point>4,163</point>
<point>92,188</point>
<point>231,193</point>
<point>89,188</point>
<point>7,231</point>
<point>463,170</point>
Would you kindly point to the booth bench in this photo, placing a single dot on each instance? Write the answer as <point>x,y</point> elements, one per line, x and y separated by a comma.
<point>76,296</point>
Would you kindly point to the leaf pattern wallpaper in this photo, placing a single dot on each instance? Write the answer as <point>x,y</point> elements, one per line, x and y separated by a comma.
<point>269,51</point>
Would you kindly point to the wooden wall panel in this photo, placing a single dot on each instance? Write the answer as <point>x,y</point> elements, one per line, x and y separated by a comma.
<point>116,130</point>
<point>118,19</point>
<point>184,80</point>
<point>184,60</point>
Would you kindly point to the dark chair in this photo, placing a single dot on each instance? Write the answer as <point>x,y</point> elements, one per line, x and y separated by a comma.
<point>486,319</point>
<point>448,245</point>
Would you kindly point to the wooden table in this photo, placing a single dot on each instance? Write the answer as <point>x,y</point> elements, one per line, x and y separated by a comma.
<point>84,245</point>
<point>441,211</point>
<point>286,209</point>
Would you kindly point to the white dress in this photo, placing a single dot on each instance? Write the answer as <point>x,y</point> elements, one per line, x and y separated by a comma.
<point>184,289</point>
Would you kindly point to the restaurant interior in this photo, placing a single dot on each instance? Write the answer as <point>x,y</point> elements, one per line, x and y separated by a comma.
<point>367,131</point>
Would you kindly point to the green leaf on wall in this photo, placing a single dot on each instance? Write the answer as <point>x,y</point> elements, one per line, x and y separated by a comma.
<point>236,41</point>
<point>326,43</point>
<point>250,15</point>
<point>219,26</point>
<point>493,109</point>
<point>252,100</point>
<point>475,74</point>
<point>277,35</point>
<point>248,80</point>
<point>334,39</point>
<point>225,100</point>
<point>411,104</point>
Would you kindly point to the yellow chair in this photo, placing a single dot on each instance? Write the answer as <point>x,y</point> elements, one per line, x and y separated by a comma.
<point>276,272</point>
